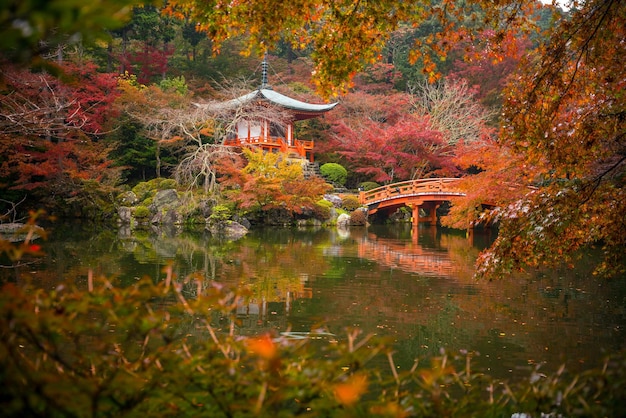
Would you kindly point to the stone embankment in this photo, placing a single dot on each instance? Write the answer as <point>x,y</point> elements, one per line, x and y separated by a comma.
<point>174,209</point>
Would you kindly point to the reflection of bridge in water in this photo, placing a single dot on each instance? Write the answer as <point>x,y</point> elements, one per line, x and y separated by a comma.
<point>425,254</point>
<point>423,194</point>
<point>407,256</point>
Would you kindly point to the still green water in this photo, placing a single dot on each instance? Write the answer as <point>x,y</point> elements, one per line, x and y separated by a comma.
<point>416,288</point>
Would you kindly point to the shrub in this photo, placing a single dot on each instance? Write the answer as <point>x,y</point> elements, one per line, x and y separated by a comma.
<point>220,213</point>
<point>358,218</point>
<point>325,203</point>
<point>145,189</point>
<point>160,350</point>
<point>174,84</point>
<point>334,172</point>
<point>321,210</point>
<point>141,212</point>
<point>368,185</point>
<point>167,184</point>
<point>350,203</point>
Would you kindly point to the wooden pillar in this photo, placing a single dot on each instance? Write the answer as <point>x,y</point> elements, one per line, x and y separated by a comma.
<point>430,219</point>
<point>290,140</point>
<point>433,213</point>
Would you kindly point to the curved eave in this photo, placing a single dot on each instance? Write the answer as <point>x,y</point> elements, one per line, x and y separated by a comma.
<point>301,109</point>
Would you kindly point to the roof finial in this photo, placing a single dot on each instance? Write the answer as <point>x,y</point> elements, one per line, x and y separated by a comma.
<point>264,83</point>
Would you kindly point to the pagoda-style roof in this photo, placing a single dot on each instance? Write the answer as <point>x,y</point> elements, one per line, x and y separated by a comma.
<point>301,110</point>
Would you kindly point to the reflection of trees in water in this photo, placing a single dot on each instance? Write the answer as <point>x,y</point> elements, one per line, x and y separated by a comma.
<point>361,277</point>
<point>532,318</point>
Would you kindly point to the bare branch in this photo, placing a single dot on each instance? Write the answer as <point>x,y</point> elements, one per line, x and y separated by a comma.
<point>46,114</point>
<point>199,131</point>
<point>451,109</point>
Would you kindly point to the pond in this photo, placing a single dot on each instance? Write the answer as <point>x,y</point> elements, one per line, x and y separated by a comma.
<point>415,286</point>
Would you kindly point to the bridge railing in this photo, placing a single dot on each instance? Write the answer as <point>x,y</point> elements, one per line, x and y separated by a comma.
<point>408,188</point>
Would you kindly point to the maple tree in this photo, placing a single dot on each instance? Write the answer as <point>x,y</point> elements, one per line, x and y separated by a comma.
<point>407,136</point>
<point>564,135</point>
<point>50,129</point>
<point>387,153</point>
<point>344,35</point>
<point>147,45</point>
<point>485,73</point>
<point>496,176</point>
<point>56,108</point>
<point>270,181</point>
<point>71,178</point>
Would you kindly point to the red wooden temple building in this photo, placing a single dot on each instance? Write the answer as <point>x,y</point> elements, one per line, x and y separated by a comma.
<point>267,134</point>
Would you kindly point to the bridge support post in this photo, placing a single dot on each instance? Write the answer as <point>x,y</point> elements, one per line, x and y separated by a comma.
<point>415,218</point>
<point>432,213</point>
<point>430,219</point>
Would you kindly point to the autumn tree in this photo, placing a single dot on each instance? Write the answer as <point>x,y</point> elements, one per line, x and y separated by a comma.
<point>147,44</point>
<point>387,153</point>
<point>40,104</point>
<point>50,131</point>
<point>270,181</point>
<point>484,72</point>
<point>345,36</point>
<point>495,176</point>
<point>564,121</point>
<point>359,110</point>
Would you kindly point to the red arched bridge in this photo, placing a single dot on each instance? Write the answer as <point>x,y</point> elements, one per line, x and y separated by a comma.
<point>425,194</point>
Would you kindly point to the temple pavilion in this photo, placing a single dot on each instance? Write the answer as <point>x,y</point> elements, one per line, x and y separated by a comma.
<point>266,134</point>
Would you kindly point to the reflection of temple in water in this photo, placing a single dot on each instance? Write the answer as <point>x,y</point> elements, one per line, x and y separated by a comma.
<point>271,304</point>
<point>273,298</point>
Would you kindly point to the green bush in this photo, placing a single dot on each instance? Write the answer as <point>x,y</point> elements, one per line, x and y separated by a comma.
<point>220,213</point>
<point>322,209</point>
<point>146,189</point>
<point>334,172</point>
<point>324,202</point>
<point>165,184</point>
<point>368,185</point>
<point>141,212</point>
<point>350,203</point>
<point>174,84</point>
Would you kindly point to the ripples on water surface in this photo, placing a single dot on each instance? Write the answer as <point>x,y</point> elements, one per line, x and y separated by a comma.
<point>416,288</point>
